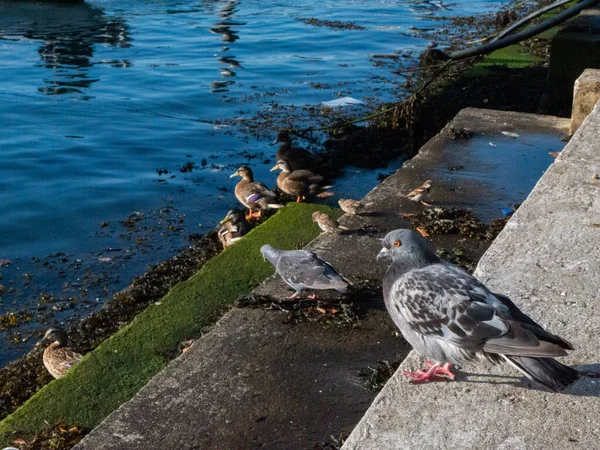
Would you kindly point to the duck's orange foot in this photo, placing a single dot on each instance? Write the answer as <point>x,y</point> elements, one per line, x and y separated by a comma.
<point>436,372</point>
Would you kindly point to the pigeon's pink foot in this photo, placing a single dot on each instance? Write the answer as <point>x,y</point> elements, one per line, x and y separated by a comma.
<point>293,296</point>
<point>434,373</point>
<point>312,296</point>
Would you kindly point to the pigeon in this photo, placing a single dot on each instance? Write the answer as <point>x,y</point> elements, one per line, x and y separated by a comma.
<point>419,193</point>
<point>352,207</point>
<point>302,269</point>
<point>451,317</point>
<point>327,224</point>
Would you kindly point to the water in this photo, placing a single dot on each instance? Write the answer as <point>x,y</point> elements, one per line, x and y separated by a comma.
<point>98,96</point>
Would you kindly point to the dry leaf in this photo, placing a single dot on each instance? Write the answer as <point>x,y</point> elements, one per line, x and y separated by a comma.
<point>321,310</point>
<point>105,259</point>
<point>422,231</point>
<point>554,154</point>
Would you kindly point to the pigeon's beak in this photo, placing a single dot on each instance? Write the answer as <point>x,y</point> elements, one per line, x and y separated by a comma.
<point>274,168</point>
<point>233,175</point>
<point>384,253</point>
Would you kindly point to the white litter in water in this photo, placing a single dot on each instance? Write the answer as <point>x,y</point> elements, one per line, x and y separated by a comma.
<point>344,101</point>
<point>492,144</point>
<point>509,134</point>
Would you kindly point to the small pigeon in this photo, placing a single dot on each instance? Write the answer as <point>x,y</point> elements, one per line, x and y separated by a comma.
<point>352,207</point>
<point>451,317</point>
<point>327,224</point>
<point>302,269</point>
<point>419,193</point>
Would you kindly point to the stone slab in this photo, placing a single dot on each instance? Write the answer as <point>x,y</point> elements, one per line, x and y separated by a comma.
<point>586,94</point>
<point>548,260</point>
<point>254,381</point>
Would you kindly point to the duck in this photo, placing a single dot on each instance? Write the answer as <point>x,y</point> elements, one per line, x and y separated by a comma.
<point>298,157</point>
<point>352,207</point>
<point>252,194</point>
<point>232,227</point>
<point>300,183</point>
<point>57,357</point>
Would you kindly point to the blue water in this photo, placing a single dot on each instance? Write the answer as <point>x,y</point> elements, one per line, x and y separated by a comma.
<point>95,97</point>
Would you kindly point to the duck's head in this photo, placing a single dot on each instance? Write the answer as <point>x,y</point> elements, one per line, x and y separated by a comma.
<point>283,137</point>
<point>55,335</point>
<point>234,215</point>
<point>245,172</point>
<point>283,165</point>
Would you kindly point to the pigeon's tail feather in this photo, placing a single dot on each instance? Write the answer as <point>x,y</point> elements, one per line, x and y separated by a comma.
<point>546,371</point>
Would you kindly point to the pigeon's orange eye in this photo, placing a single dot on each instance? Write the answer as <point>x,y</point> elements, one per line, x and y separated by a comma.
<point>397,243</point>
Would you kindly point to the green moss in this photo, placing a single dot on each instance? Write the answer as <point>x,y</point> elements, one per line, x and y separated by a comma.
<point>120,366</point>
<point>513,56</point>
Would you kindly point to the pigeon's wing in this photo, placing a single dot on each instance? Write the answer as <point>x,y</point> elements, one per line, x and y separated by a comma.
<point>445,302</point>
<point>304,268</point>
<point>511,311</point>
<point>438,301</point>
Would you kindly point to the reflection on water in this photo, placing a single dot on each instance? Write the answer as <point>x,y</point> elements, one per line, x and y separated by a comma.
<point>75,170</point>
<point>224,28</point>
<point>68,33</point>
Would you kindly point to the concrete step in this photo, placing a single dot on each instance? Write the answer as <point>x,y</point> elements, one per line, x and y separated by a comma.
<point>256,381</point>
<point>547,260</point>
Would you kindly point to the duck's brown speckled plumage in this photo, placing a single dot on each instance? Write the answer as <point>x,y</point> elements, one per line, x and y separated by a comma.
<point>299,183</point>
<point>298,157</point>
<point>57,357</point>
<point>253,194</point>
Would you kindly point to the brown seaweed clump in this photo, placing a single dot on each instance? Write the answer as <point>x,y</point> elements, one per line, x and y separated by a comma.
<point>329,312</point>
<point>23,377</point>
<point>57,437</point>
<point>457,221</point>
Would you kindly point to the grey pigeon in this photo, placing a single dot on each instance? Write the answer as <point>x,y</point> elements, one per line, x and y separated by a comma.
<point>302,269</point>
<point>449,316</point>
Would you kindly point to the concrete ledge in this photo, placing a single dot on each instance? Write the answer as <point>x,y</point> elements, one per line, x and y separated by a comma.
<point>585,96</point>
<point>547,259</point>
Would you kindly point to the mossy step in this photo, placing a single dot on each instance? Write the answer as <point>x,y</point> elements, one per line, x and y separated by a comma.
<point>117,369</point>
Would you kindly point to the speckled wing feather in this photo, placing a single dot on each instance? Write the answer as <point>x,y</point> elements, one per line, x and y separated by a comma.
<point>437,301</point>
<point>304,268</point>
<point>443,302</point>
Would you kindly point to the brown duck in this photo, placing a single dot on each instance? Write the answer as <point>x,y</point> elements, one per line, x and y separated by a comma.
<point>298,157</point>
<point>57,357</point>
<point>232,227</point>
<point>300,183</point>
<point>252,194</point>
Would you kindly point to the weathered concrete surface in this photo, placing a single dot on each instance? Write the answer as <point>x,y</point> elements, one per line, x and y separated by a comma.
<point>585,96</point>
<point>575,47</point>
<point>254,381</point>
<point>547,259</point>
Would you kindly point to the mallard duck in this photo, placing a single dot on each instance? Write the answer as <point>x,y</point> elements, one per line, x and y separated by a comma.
<point>58,358</point>
<point>298,157</point>
<point>326,223</point>
<point>419,193</point>
<point>352,207</point>
<point>232,227</point>
<point>253,194</point>
<point>300,183</point>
